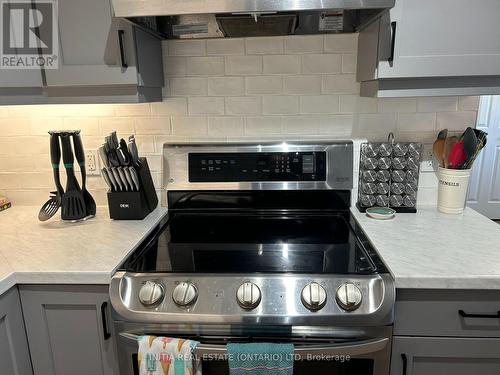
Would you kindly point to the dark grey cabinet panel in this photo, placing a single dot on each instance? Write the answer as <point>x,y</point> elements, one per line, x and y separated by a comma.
<point>14,352</point>
<point>436,313</point>
<point>445,355</point>
<point>69,329</point>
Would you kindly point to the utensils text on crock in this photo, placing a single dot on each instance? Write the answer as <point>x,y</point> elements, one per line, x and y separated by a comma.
<point>52,205</point>
<point>90,206</point>
<point>73,204</point>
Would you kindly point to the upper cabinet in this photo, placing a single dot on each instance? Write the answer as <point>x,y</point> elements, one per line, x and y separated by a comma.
<point>100,59</point>
<point>432,47</point>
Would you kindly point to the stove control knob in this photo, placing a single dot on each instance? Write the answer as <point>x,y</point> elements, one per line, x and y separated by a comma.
<point>151,293</point>
<point>313,296</point>
<point>348,296</point>
<point>185,294</point>
<point>248,295</point>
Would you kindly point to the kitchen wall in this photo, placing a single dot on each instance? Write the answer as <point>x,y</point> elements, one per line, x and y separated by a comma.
<point>298,87</point>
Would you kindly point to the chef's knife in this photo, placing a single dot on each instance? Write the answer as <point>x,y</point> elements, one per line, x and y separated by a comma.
<point>116,175</point>
<point>135,177</point>
<point>104,156</point>
<point>132,149</point>
<point>123,179</point>
<point>128,176</point>
<point>112,179</point>
<point>114,139</point>
<point>106,178</point>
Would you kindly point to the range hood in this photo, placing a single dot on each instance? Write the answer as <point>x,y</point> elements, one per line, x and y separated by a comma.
<point>242,18</point>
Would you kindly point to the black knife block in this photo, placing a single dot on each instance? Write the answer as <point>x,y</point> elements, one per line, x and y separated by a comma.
<point>134,205</point>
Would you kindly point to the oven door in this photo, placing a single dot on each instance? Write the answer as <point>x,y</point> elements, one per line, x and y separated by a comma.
<point>365,356</point>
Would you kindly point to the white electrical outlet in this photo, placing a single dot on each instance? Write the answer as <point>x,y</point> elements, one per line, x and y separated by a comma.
<point>91,162</point>
<point>427,157</point>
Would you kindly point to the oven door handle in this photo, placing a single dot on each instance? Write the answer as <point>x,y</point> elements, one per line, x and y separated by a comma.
<point>300,352</point>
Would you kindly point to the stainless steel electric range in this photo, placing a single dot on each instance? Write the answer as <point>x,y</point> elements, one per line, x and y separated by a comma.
<point>259,245</point>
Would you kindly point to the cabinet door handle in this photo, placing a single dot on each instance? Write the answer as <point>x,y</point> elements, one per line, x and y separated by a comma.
<point>463,314</point>
<point>105,331</point>
<point>405,363</point>
<point>393,42</point>
<point>121,34</point>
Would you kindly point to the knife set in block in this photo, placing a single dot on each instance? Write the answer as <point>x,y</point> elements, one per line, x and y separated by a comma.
<point>134,205</point>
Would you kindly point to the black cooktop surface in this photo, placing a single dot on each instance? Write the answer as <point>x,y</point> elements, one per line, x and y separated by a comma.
<point>257,242</point>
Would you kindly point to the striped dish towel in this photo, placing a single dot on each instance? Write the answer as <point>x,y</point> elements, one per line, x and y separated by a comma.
<point>166,356</point>
<point>260,359</point>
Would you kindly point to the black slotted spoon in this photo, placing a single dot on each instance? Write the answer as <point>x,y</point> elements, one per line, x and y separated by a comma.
<point>52,205</point>
<point>73,203</point>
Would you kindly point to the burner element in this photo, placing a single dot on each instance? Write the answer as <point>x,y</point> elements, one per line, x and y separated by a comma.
<point>185,294</point>
<point>313,296</point>
<point>348,296</point>
<point>151,293</point>
<point>248,295</point>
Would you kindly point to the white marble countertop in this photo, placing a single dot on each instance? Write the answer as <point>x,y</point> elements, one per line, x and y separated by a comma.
<point>431,250</point>
<point>66,253</point>
<point>423,250</point>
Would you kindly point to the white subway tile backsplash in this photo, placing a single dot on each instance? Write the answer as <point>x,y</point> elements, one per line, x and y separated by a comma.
<point>357,104</point>
<point>225,46</point>
<point>189,86</point>
<point>321,64</point>
<point>228,90</point>
<point>280,105</point>
<point>456,120</point>
<point>243,105</point>
<point>206,106</point>
<point>435,104</point>
<point>340,84</point>
<point>416,122</point>
<point>264,45</point>
<point>303,84</point>
<point>174,66</point>
<point>226,86</point>
<point>349,63</point>
<point>189,125</point>
<point>152,125</point>
<point>319,104</point>
<point>243,65</point>
<point>170,107</point>
<point>226,126</point>
<point>304,44</point>
<point>205,66</point>
<point>281,64</point>
<point>264,85</point>
<point>391,105</point>
<point>263,125</point>
<point>341,42</point>
<point>186,47</point>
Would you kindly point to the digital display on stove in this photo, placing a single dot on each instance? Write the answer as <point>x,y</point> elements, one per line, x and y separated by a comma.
<point>257,166</point>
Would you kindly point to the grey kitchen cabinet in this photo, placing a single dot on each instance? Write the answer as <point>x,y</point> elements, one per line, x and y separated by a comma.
<point>432,47</point>
<point>69,330</point>
<point>14,351</point>
<point>445,355</point>
<point>446,332</point>
<point>101,59</point>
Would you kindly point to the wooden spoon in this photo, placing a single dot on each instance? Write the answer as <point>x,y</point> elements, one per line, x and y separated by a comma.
<point>437,151</point>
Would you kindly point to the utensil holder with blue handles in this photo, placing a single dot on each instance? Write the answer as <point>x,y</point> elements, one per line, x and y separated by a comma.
<point>134,205</point>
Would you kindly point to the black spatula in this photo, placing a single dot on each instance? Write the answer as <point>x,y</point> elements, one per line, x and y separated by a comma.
<point>52,205</point>
<point>73,204</point>
<point>90,206</point>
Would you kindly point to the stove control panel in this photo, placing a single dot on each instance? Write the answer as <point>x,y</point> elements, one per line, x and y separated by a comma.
<point>257,166</point>
<point>259,299</point>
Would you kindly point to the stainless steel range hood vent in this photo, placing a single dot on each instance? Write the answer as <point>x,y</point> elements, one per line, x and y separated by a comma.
<point>243,18</point>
